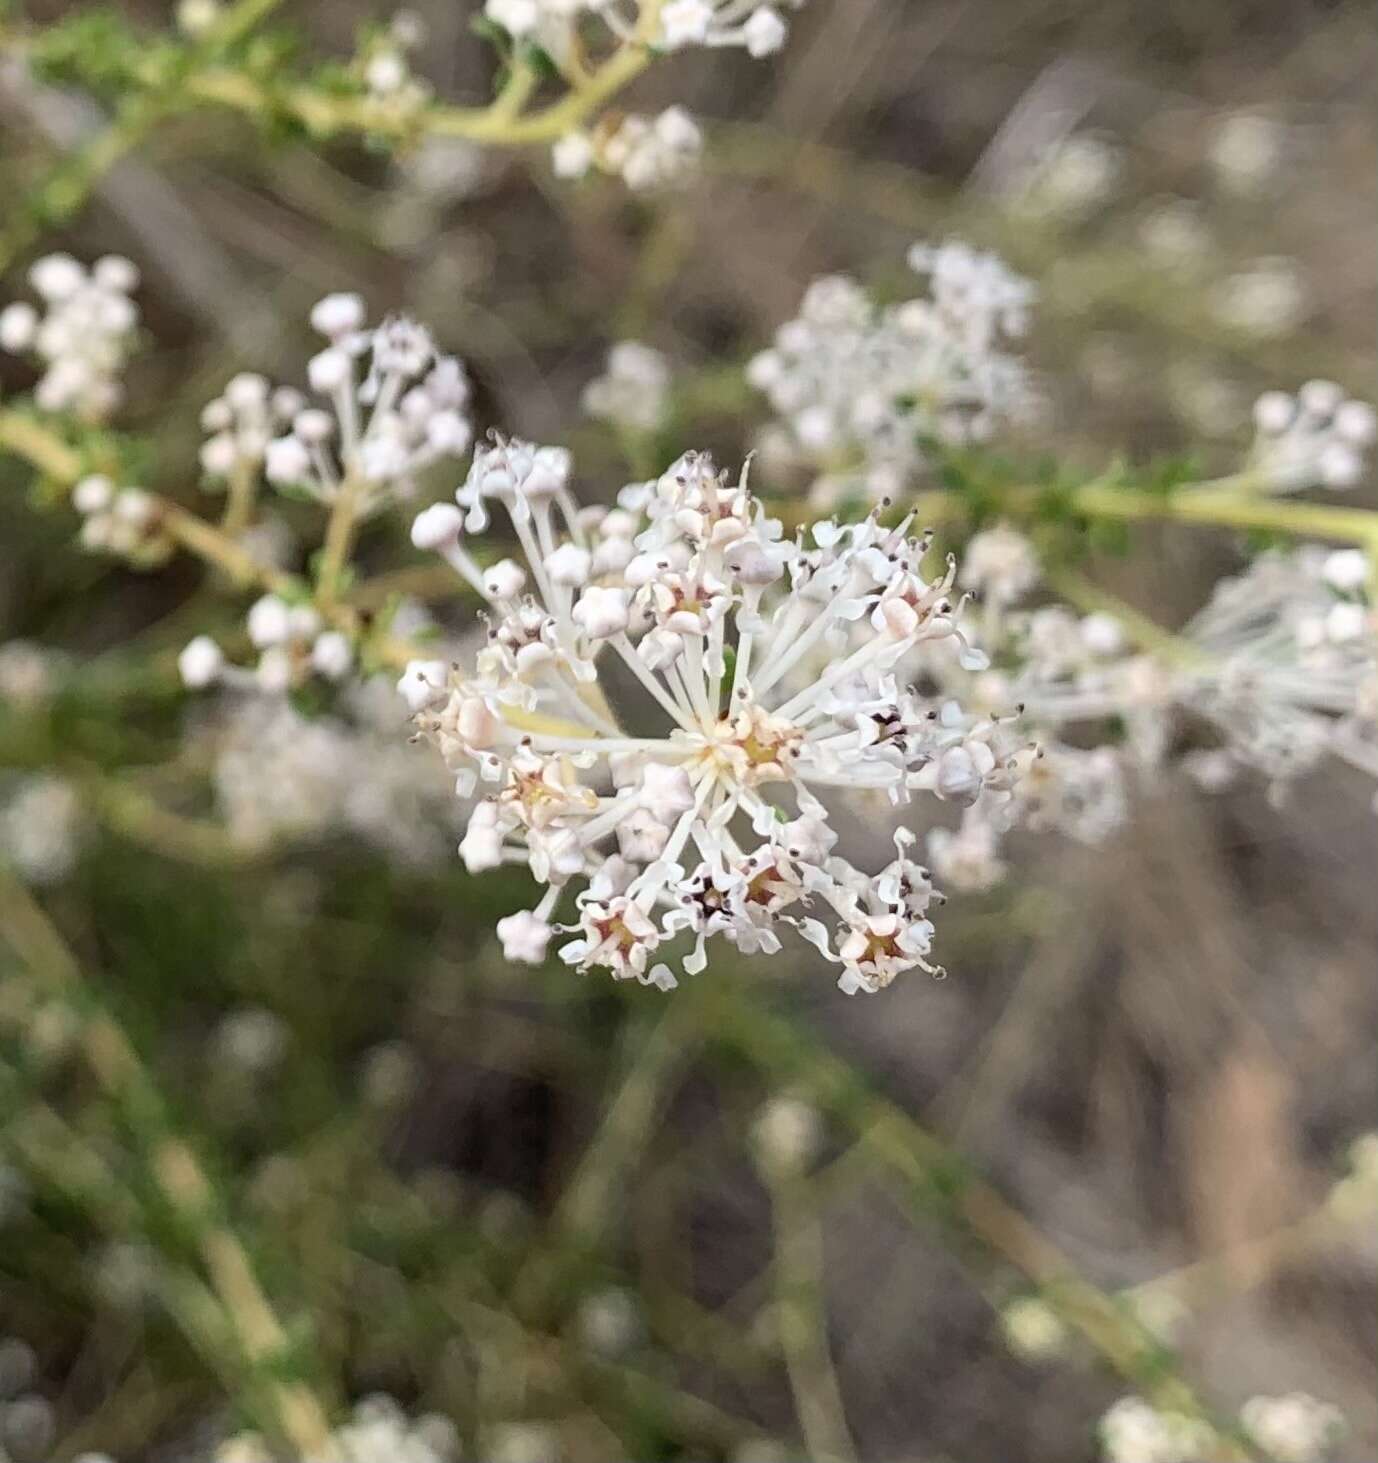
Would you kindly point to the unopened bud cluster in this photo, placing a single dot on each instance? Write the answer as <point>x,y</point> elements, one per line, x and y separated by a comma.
<point>81,335</point>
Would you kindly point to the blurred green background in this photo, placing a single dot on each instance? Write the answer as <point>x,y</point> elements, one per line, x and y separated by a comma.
<point>597,1222</point>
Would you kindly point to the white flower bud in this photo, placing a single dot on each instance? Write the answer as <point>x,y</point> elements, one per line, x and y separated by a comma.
<point>115,272</point>
<point>1356,423</point>
<point>764,32</point>
<point>247,392</point>
<point>196,17</point>
<point>337,315</point>
<point>332,655</point>
<point>601,612</point>
<point>57,277</point>
<point>329,371</point>
<point>93,494</point>
<point>219,454</point>
<point>569,565</point>
<point>269,622</point>
<point>1339,466</point>
<point>665,790</point>
<point>1273,413</point>
<point>1345,622</point>
<point>448,432</point>
<point>18,326</point>
<point>386,73</point>
<point>1321,398</point>
<point>286,461</point>
<point>753,565</point>
<point>437,526</point>
<point>1102,634</point>
<point>504,580</point>
<point>1346,569</point>
<point>423,684</point>
<point>481,846</point>
<point>200,662</point>
<point>685,23</point>
<point>134,507</point>
<point>957,778</point>
<point>313,426</point>
<point>572,155</point>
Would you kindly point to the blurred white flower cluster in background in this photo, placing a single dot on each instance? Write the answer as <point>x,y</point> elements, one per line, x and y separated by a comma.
<point>860,388</point>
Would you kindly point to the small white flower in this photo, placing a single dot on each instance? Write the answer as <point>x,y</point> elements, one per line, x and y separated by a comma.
<point>481,846</point>
<point>569,565</point>
<point>18,327</point>
<point>57,277</point>
<point>633,393</point>
<point>764,32</point>
<point>572,155</point>
<point>524,937</point>
<point>423,684</point>
<point>1346,569</point>
<point>332,655</point>
<point>436,526</point>
<point>329,371</point>
<point>504,580</point>
<point>200,662</point>
<point>269,622</point>
<point>601,613</point>
<point>93,494</point>
<point>287,461</point>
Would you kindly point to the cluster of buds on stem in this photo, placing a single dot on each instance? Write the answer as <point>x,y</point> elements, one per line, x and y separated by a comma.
<point>82,337</point>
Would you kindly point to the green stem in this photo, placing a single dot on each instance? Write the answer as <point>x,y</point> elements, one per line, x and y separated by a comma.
<point>939,1182</point>
<point>801,1317</point>
<point>180,1180</point>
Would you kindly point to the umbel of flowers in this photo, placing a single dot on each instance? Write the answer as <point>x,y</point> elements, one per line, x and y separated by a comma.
<point>712,820</point>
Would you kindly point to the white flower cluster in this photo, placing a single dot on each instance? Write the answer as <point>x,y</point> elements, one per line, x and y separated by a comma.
<point>647,153</point>
<point>1316,439</point>
<point>1134,1431</point>
<point>1281,666</point>
<point>753,25</point>
<point>40,829</point>
<point>396,407</point>
<point>83,336</point>
<point>1296,1428</point>
<point>1266,300</point>
<point>715,824</point>
<point>634,391</point>
<point>1073,178</point>
<point>378,1432</point>
<point>292,643</point>
<point>756,27</point>
<point>241,423</point>
<point>860,388</point>
<point>124,522</point>
<point>279,776</point>
<point>1290,664</point>
<point>386,66</point>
